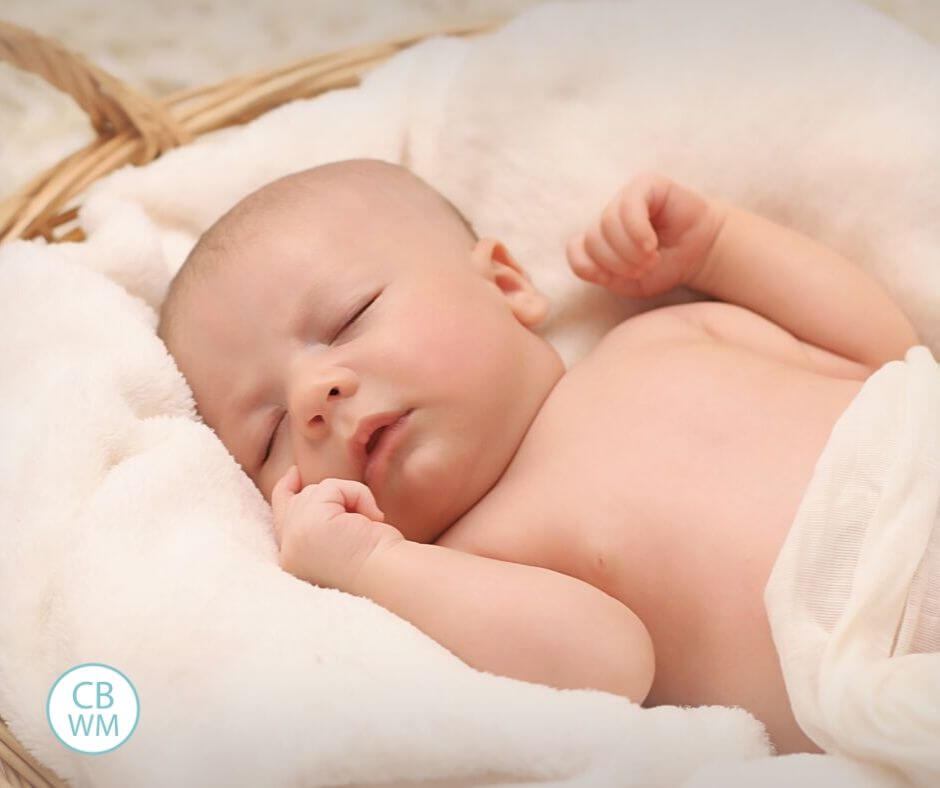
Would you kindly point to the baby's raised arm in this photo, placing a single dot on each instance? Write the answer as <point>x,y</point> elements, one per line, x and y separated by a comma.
<point>657,235</point>
<point>805,287</point>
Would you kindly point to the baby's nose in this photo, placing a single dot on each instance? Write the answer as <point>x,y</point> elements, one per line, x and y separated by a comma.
<point>316,395</point>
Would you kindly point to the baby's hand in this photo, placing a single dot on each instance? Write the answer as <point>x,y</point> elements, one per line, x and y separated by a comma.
<point>653,236</point>
<point>327,531</point>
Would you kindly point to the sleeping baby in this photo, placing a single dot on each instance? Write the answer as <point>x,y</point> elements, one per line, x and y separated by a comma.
<point>374,367</point>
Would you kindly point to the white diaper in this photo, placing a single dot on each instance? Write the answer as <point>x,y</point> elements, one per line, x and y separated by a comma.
<point>854,596</point>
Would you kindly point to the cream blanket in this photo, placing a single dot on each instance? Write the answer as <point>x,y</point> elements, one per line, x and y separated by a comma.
<point>854,597</point>
<point>131,537</point>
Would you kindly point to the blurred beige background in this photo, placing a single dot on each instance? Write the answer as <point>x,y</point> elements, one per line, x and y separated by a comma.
<point>165,45</point>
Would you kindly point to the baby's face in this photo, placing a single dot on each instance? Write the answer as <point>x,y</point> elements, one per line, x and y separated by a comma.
<point>304,343</point>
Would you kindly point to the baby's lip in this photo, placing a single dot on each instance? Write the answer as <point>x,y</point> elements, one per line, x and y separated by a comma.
<point>358,442</point>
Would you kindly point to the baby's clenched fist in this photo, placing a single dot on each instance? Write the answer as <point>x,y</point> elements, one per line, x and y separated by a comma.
<point>327,531</point>
<point>653,236</point>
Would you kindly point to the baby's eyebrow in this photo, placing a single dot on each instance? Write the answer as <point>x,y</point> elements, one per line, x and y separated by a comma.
<point>299,316</point>
<point>302,315</point>
<point>298,319</point>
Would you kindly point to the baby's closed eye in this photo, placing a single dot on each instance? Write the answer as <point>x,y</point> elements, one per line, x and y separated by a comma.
<point>348,323</point>
<point>269,446</point>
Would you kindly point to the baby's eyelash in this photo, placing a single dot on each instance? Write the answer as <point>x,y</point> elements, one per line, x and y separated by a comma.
<point>358,314</point>
<point>270,446</point>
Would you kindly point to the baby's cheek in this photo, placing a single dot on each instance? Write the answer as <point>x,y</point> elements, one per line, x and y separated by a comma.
<point>471,336</point>
<point>460,351</point>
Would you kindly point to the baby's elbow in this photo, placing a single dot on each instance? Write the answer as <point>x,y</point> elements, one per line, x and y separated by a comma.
<point>629,662</point>
<point>598,643</point>
<point>639,661</point>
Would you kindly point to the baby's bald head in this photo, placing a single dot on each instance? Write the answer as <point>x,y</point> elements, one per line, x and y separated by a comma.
<point>339,198</point>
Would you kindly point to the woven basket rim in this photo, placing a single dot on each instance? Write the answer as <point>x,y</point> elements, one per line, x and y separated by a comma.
<point>134,128</point>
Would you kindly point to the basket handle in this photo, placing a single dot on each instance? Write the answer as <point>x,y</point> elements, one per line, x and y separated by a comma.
<point>112,106</point>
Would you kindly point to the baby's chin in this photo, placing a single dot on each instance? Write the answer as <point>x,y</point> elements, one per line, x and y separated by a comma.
<point>433,488</point>
<point>418,521</point>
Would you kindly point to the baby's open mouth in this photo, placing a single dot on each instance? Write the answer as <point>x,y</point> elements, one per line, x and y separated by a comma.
<point>374,439</point>
<point>371,453</point>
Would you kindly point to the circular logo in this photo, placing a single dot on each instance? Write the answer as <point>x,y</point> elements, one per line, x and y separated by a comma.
<point>93,708</point>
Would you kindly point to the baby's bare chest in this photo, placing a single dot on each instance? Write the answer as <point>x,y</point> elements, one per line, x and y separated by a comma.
<point>684,461</point>
<point>668,479</point>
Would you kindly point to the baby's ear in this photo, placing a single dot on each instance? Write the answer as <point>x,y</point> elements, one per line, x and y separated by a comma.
<point>494,262</point>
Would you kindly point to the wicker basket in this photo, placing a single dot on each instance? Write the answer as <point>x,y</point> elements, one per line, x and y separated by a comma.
<point>133,128</point>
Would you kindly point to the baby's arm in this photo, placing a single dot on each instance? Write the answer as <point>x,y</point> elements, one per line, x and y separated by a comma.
<point>511,619</point>
<point>656,235</point>
<point>515,620</point>
<point>805,287</point>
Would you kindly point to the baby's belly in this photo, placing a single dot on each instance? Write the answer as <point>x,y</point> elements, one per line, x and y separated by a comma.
<point>673,491</point>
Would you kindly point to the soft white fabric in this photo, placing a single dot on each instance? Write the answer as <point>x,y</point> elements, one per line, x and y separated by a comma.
<point>131,537</point>
<point>854,596</point>
<point>153,49</point>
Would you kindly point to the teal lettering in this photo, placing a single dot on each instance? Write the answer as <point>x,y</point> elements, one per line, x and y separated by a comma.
<point>86,726</point>
<point>82,725</point>
<point>107,730</point>
<point>75,695</point>
<point>106,694</point>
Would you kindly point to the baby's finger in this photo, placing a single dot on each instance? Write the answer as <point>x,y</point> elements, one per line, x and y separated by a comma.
<point>615,234</point>
<point>601,253</point>
<point>582,264</point>
<point>634,215</point>
<point>282,493</point>
<point>354,496</point>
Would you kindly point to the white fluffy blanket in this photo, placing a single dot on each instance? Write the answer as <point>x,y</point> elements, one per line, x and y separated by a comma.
<point>131,537</point>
